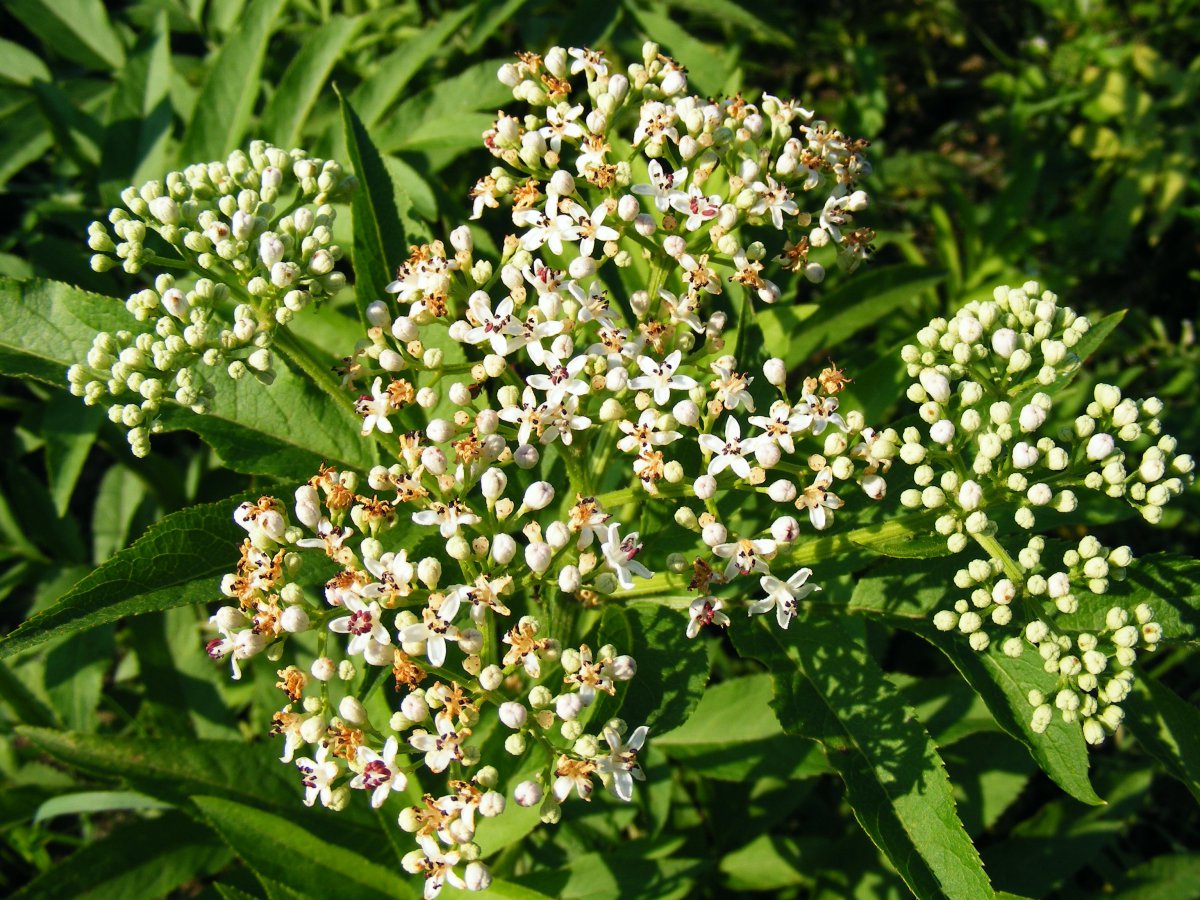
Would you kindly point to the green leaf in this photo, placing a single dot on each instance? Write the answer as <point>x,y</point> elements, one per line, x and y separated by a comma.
<point>172,770</point>
<point>177,562</point>
<point>95,801</point>
<point>706,71</point>
<point>1168,727</point>
<point>226,101</point>
<point>74,675</point>
<point>21,66</point>
<point>70,429</point>
<point>77,29</point>
<point>671,673</point>
<point>378,235</point>
<point>599,876</point>
<point>25,138</point>
<point>380,89</point>
<point>286,429</point>
<point>907,593</point>
<point>828,689</point>
<point>140,116</point>
<point>734,735</point>
<point>120,499</point>
<point>46,326</point>
<point>1162,878</point>
<point>278,849</point>
<point>151,858</point>
<point>855,304</point>
<point>305,79</point>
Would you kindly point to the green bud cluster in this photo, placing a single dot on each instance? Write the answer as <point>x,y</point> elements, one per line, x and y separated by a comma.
<point>257,232</point>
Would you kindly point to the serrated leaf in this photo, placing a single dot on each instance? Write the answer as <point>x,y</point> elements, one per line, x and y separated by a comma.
<point>304,80</point>
<point>226,102</point>
<point>908,593</point>
<point>286,429</point>
<point>279,850</point>
<point>151,858</point>
<point>46,326</point>
<point>378,235</point>
<point>671,673</point>
<point>177,562</point>
<point>828,689</point>
<point>77,29</point>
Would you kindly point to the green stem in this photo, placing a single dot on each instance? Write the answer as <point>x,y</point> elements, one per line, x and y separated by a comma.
<point>989,543</point>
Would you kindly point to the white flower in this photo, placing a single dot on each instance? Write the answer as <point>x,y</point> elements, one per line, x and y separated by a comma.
<point>696,206</point>
<point>590,61</point>
<point>729,453</point>
<point>779,425</point>
<point>363,624</point>
<point>593,303</point>
<point>561,421</point>
<point>317,776</point>
<point>528,416</point>
<point>379,772</point>
<point>745,556</point>
<point>683,309</point>
<point>561,123</point>
<point>592,228</point>
<point>644,435</point>
<point>775,199</point>
<point>434,629</point>
<point>661,377</point>
<point>492,327</point>
<point>817,499</point>
<point>449,517</point>
<point>550,227</point>
<point>663,186</point>
<point>562,380</point>
<point>621,765</point>
<point>705,611</point>
<point>731,387</point>
<point>375,409</point>
<point>441,750</point>
<point>619,554</point>
<point>530,334</point>
<point>818,412</point>
<point>783,595</point>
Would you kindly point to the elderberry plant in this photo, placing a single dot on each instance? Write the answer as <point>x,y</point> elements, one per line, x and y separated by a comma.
<point>578,419</point>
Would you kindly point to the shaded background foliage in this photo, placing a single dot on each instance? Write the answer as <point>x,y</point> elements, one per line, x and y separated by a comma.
<point>1048,140</point>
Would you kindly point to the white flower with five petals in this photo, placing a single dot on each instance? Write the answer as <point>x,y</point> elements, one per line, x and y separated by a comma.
<point>782,596</point>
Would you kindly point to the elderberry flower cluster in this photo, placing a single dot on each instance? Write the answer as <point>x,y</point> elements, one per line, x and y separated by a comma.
<point>256,232</point>
<point>532,405</point>
<point>993,448</point>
